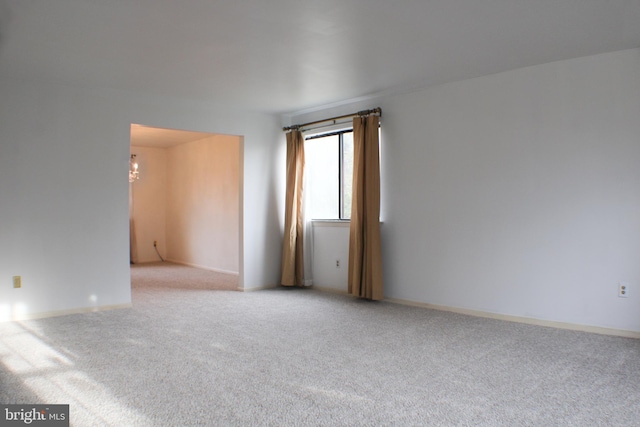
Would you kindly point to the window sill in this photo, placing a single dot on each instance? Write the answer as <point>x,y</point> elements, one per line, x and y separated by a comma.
<point>331,222</point>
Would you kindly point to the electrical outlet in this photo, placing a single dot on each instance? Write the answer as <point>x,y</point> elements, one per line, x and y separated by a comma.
<point>623,290</point>
<point>337,263</point>
<point>155,243</point>
<point>17,281</point>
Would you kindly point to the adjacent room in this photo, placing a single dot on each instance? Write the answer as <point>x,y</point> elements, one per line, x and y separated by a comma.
<point>184,200</point>
<point>417,213</point>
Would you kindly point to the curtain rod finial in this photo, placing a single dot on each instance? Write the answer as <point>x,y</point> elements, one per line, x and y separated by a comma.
<point>376,110</point>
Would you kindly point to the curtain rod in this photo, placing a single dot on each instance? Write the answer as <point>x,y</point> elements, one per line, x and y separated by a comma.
<point>376,110</point>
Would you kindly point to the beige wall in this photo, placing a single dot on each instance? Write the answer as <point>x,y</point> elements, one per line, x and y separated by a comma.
<point>203,212</point>
<point>149,202</point>
<point>187,199</point>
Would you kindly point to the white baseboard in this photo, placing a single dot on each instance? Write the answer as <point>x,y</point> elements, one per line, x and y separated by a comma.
<point>506,317</point>
<point>45,314</point>
<point>259,288</point>
<point>189,264</point>
<point>262,288</point>
<point>519,319</point>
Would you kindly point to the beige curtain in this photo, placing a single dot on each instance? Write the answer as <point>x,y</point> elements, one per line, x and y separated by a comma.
<point>292,245</point>
<point>365,253</point>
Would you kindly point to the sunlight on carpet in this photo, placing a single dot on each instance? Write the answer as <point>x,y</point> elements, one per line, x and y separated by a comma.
<point>52,376</point>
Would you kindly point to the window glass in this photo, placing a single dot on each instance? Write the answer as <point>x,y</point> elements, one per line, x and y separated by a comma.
<point>322,164</point>
<point>347,173</point>
<point>329,174</point>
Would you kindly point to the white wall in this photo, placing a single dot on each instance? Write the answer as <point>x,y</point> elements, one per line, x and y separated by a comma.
<point>330,244</point>
<point>516,193</point>
<point>203,215</point>
<point>64,154</point>
<point>150,202</point>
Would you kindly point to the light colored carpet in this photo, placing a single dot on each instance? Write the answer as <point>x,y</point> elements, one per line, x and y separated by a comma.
<point>170,275</point>
<point>292,357</point>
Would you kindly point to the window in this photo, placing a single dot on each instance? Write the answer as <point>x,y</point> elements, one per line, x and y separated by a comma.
<point>329,169</point>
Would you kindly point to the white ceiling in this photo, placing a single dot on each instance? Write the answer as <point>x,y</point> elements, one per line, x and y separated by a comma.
<point>289,55</point>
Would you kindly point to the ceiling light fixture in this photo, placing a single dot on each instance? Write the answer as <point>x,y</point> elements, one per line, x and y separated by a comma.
<point>133,169</point>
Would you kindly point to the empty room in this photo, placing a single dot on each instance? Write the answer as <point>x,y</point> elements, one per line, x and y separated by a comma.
<point>429,212</point>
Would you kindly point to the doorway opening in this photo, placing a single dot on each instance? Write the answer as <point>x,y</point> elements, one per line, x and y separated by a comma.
<point>186,205</point>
